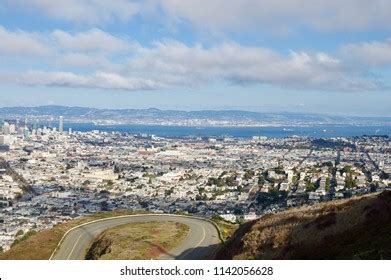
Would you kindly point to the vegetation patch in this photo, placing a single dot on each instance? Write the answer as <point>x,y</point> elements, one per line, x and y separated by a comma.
<point>137,241</point>
<point>227,229</point>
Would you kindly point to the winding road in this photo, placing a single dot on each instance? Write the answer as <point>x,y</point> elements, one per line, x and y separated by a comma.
<point>201,241</point>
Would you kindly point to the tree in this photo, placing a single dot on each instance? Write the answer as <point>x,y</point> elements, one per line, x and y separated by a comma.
<point>24,237</point>
<point>116,169</point>
<point>295,180</point>
<point>327,163</point>
<point>384,175</point>
<point>274,193</point>
<point>169,192</point>
<point>349,182</point>
<point>86,183</point>
<point>248,175</point>
<point>104,206</point>
<point>109,183</point>
<point>310,187</point>
<point>327,187</point>
<point>261,180</point>
<point>201,190</point>
<point>347,169</point>
<point>231,181</point>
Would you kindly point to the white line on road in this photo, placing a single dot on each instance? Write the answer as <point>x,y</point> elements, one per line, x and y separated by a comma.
<point>203,237</point>
<point>131,216</point>
<point>199,243</point>
<point>73,248</point>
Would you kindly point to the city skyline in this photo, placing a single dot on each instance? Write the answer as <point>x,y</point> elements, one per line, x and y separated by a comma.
<point>191,56</point>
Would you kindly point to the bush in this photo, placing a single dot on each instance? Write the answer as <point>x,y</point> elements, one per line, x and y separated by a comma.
<point>24,237</point>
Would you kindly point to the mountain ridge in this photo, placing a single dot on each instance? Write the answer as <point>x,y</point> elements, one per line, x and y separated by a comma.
<point>176,115</point>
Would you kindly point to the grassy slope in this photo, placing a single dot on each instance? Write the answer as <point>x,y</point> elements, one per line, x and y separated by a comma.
<point>227,229</point>
<point>358,228</point>
<point>137,241</point>
<point>41,245</point>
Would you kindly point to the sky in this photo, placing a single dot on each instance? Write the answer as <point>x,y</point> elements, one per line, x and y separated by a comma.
<point>316,56</point>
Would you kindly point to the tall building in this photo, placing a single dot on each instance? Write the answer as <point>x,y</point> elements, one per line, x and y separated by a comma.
<point>35,126</point>
<point>12,129</point>
<point>26,132</point>
<point>61,125</point>
<point>6,128</point>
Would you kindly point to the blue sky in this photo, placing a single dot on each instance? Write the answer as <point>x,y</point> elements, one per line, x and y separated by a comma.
<point>329,57</point>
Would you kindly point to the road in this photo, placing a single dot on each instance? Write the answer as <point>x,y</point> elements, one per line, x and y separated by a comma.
<point>305,158</point>
<point>372,161</point>
<point>201,241</point>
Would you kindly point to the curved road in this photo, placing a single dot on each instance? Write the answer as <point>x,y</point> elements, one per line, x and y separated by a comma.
<point>201,241</point>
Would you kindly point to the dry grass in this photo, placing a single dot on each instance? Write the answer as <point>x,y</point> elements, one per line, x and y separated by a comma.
<point>227,229</point>
<point>41,245</point>
<point>137,241</point>
<point>349,229</point>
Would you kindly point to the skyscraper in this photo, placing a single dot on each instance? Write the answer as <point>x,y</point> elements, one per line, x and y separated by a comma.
<point>61,125</point>
<point>36,125</point>
<point>6,128</point>
<point>12,129</point>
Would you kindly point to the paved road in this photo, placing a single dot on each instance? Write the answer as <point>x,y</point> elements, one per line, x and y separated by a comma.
<point>201,242</point>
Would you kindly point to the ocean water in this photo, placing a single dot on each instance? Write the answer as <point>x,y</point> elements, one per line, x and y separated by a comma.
<point>318,131</point>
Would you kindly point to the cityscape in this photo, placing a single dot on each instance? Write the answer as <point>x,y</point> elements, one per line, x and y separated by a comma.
<point>50,176</point>
<point>216,130</point>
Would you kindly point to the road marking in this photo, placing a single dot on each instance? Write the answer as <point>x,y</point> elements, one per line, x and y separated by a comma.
<point>73,248</point>
<point>203,237</point>
<point>199,243</point>
<point>132,216</point>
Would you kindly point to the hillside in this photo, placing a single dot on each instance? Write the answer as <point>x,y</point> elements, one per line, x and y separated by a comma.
<point>40,245</point>
<point>137,241</point>
<point>359,228</point>
<point>156,115</point>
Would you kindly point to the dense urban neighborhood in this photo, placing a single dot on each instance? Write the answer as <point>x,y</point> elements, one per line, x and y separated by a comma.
<point>48,175</point>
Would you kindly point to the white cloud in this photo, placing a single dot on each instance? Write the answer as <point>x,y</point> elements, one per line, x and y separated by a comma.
<point>94,39</point>
<point>82,60</point>
<point>282,15</point>
<point>101,80</point>
<point>117,63</point>
<point>226,15</point>
<point>85,11</point>
<point>22,43</point>
<point>180,64</point>
<point>173,64</point>
<point>90,49</point>
<point>368,53</point>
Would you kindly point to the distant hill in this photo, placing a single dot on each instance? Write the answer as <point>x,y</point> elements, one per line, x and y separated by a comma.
<point>359,228</point>
<point>156,115</point>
